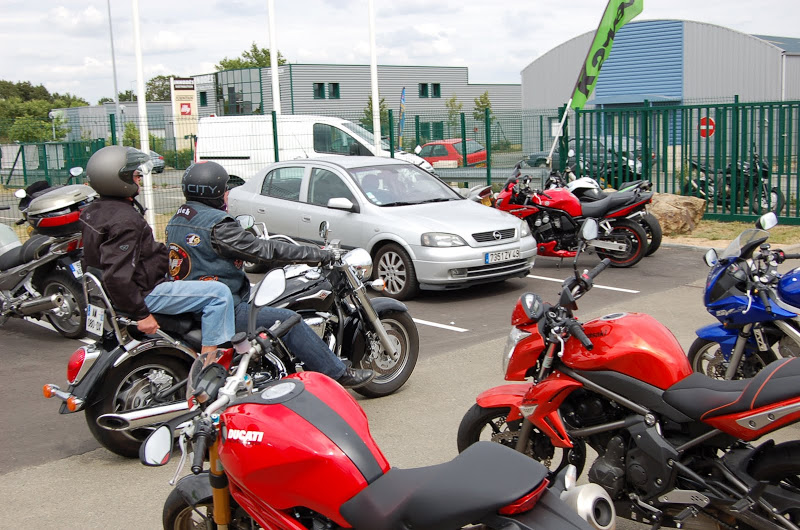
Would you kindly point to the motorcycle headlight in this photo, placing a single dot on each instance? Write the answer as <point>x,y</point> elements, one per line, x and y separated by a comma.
<point>440,239</point>
<point>360,260</point>
<point>524,229</point>
<point>513,339</point>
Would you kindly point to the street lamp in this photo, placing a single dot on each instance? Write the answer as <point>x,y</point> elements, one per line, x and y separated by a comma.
<point>52,116</point>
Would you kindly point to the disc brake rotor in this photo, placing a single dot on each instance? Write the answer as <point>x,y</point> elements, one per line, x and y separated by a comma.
<point>380,360</point>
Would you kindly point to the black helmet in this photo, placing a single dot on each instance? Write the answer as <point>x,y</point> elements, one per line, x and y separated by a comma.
<point>205,182</point>
<point>110,170</point>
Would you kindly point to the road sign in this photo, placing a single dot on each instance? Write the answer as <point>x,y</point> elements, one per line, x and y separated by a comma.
<point>707,127</point>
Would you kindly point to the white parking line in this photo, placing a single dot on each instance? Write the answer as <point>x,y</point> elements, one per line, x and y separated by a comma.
<point>436,325</point>
<point>560,280</point>
<point>47,325</point>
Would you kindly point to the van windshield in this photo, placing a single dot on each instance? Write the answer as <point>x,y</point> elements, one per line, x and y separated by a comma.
<point>365,134</point>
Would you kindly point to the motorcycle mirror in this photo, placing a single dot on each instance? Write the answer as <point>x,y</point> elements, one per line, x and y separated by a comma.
<point>76,171</point>
<point>270,288</point>
<point>711,257</point>
<point>571,153</point>
<point>324,228</point>
<point>20,194</point>
<point>245,221</point>
<point>157,448</point>
<point>767,221</point>
<point>589,230</point>
<point>417,150</point>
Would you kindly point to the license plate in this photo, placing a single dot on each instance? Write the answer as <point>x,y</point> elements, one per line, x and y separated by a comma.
<point>94,319</point>
<point>76,269</point>
<point>503,255</point>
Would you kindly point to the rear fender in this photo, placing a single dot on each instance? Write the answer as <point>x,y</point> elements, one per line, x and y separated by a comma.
<point>544,399</point>
<point>725,337</point>
<point>504,396</point>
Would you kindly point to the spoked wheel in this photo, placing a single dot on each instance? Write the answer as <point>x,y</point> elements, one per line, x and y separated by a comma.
<point>706,357</point>
<point>769,200</point>
<point>652,229</point>
<point>397,270</point>
<point>481,423</point>
<point>131,386</point>
<point>69,318</point>
<point>180,515</point>
<point>392,371</point>
<point>634,239</point>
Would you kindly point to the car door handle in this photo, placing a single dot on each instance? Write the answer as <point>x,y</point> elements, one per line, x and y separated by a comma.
<point>262,210</point>
<point>306,218</point>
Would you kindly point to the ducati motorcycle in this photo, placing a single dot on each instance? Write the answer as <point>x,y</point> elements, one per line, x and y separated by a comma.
<point>555,215</point>
<point>673,445</point>
<point>297,454</point>
<point>128,382</point>
<point>757,307</point>
<point>41,278</point>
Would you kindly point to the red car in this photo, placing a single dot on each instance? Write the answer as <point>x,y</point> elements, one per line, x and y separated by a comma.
<point>452,149</point>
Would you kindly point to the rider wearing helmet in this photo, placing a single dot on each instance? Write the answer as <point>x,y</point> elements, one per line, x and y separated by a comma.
<point>205,243</point>
<point>118,241</point>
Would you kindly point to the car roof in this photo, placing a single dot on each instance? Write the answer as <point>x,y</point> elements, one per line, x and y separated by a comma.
<point>446,141</point>
<point>350,162</point>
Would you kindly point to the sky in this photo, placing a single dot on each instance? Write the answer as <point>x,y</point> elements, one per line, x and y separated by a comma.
<point>65,44</point>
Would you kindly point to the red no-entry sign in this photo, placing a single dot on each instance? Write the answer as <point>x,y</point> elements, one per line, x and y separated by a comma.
<point>707,126</point>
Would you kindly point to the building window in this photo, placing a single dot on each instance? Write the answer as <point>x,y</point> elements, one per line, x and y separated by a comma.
<point>423,90</point>
<point>437,90</point>
<point>319,90</point>
<point>203,99</point>
<point>333,90</point>
<point>238,92</point>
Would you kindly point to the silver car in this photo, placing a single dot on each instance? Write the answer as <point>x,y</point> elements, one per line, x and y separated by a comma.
<point>420,232</point>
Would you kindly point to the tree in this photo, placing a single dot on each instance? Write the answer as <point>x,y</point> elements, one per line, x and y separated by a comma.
<point>130,136</point>
<point>453,111</point>
<point>481,104</point>
<point>28,129</point>
<point>252,58</point>
<point>105,100</point>
<point>157,89</point>
<point>68,100</point>
<point>366,120</point>
<point>128,95</point>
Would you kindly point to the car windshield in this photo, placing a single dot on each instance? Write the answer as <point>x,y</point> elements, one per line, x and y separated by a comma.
<point>472,147</point>
<point>745,239</point>
<point>365,134</point>
<point>401,185</point>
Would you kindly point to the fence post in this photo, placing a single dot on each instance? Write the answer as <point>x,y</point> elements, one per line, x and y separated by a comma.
<point>464,137</point>
<point>645,140</point>
<point>488,123</point>
<point>275,134</point>
<point>112,122</point>
<point>24,166</point>
<point>391,133</point>
<point>416,129</point>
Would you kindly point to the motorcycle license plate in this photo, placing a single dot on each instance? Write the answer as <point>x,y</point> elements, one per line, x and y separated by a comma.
<point>94,319</point>
<point>76,269</point>
<point>502,255</point>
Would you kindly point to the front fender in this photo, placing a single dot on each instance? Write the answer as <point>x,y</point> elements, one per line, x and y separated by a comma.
<point>195,489</point>
<point>382,304</point>
<point>504,396</point>
<point>725,337</point>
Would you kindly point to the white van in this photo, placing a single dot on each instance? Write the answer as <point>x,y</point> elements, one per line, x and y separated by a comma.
<point>244,145</point>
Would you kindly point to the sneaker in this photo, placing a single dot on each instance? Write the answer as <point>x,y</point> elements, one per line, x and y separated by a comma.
<point>354,378</point>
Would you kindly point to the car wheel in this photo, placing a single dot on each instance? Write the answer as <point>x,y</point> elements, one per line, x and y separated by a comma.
<point>540,163</point>
<point>394,266</point>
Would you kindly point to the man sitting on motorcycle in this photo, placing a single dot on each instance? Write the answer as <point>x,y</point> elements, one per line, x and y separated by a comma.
<point>118,241</point>
<point>205,243</point>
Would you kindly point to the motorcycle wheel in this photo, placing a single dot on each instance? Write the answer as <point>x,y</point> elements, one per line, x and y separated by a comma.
<point>780,466</point>
<point>127,388</point>
<point>652,228</point>
<point>769,201</point>
<point>633,236</point>
<point>180,515</point>
<point>706,357</point>
<point>391,374</point>
<point>394,265</point>
<point>72,322</point>
<point>481,423</point>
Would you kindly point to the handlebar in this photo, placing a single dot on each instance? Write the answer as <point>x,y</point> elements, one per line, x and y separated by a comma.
<point>199,447</point>
<point>762,294</point>
<point>576,330</point>
<point>600,267</point>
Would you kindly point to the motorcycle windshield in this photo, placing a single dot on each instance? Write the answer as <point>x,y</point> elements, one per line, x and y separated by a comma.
<point>745,243</point>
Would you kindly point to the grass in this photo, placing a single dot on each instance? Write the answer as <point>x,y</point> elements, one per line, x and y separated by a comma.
<point>718,230</point>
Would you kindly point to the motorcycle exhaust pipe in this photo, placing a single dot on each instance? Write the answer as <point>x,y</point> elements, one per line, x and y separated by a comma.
<point>40,305</point>
<point>593,504</point>
<point>143,417</point>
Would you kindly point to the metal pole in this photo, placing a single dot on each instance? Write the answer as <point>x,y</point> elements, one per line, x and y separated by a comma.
<point>558,135</point>
<point>114,70</point>
<point>273,60</point>
<point>144,133</point>
<point>373,68</point>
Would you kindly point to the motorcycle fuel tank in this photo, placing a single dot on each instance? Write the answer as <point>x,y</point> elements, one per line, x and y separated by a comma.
<point>789,288</point>
<point>301,441</point>
<point>307,291</point>
<point>560,199</point>
<point>633,344</point>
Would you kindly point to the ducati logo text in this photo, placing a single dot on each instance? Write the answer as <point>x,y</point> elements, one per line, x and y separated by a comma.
<point>245,436</point>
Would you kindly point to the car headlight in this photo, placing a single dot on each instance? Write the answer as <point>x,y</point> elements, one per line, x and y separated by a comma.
<point>524,229</point>
<point>439,239</point>
<point>360,260</point>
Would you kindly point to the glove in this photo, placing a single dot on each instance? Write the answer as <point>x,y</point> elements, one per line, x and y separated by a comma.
<point>329,256</point>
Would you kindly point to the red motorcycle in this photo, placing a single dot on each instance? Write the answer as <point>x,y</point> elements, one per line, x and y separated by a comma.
<point>297,454</point>
<point>672,445</point>
<point>555,216</point>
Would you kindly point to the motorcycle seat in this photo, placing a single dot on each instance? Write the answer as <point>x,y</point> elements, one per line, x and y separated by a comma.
<point>701,397</point>
<point>448,495</point>
<point>35,247</point>
<point>601,207</point>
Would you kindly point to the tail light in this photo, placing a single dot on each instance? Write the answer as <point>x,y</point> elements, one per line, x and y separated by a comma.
<point>75,364</point>
<point>526,503</point>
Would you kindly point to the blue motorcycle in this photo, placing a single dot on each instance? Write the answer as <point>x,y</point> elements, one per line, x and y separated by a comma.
<point>756,306</point>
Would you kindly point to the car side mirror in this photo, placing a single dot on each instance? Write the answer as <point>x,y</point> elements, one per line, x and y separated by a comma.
<point>417,150</point>
<point>340,203</point>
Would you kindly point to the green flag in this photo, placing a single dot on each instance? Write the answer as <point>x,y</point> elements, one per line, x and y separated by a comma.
<point>617,14</point>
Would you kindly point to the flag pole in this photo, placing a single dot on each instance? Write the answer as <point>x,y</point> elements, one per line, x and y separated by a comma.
<point>558,134</point>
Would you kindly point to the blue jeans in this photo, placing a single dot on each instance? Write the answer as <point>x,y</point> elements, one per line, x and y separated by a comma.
<point>301,340</point>
<point>212,299</point>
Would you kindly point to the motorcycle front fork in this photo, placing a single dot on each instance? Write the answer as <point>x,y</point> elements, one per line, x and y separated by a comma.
<point>738,351</point>
<point>219,488</point>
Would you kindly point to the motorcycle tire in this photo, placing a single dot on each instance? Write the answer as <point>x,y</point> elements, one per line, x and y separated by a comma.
<point>391,374</point>
<point>769,201</point>
<point>394,266</point>
<point>652,228</point>
<point>706,357</point>
<point>780,466</point>
<point>180,515</point>
<point>473,428</point>
<point>635,239</point>
<point>126,388</point>
<point>72,323</point>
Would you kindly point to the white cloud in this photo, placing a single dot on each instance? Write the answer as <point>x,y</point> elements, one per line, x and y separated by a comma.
<point>76,22</point>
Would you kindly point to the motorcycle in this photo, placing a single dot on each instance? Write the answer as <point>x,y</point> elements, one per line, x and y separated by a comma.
<point>757,308</point>
<point>41,277</point>
<point>297,454</point>
<point>554,216</point>
<point>128,382</point>
<point>673,445</point>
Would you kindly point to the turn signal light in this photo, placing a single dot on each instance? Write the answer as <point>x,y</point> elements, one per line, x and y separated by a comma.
<point>48,391</point>
<point>526,503</point>
<point>73,403</point>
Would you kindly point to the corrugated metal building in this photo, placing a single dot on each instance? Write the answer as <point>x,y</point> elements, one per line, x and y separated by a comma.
<point>343,90</point>
<point>670,61</point>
